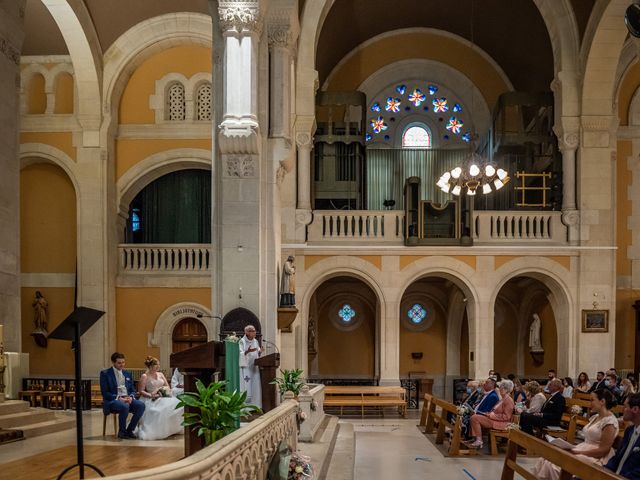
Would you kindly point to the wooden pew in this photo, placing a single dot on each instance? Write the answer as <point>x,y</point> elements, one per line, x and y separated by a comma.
<point>567,417</point>
<point>447,408</point>
<point>570,465</point>
<point>428,413</point>
<point>365,396</point>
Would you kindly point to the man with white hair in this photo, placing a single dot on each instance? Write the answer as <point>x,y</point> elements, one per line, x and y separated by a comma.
<point>250,350</point>
<point>551,412</point>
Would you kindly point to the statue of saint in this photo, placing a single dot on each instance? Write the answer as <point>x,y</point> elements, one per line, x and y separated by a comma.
<point>288,284</point>
<point>535,342</point>
<point>40,307</point>
<point>311,340</point>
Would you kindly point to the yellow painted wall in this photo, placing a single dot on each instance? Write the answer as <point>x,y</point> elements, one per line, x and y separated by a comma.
<point>625,327</point>
<point>130,152</point>
<point>505,349</point>
<point>36,98</point>
<point>47,220</point>
<point>64,94</point>
<point>431,342</point>
<point>419,45</point>
<point>549,342</point>
<point>61,140</point>
<point>187,60</point>
<point>57,357</point>
<point>138,309</point>
<point>464,347</point>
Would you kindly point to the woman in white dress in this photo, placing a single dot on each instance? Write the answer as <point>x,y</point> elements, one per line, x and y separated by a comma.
<point>599,435</point>
<point>160,419</point>
<point>535,397</point>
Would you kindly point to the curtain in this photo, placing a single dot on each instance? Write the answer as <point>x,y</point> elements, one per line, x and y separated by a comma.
<point>176,208</point>
<point>387,170</point>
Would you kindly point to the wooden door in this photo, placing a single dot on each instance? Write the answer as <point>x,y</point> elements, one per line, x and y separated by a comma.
<point>189,332</point>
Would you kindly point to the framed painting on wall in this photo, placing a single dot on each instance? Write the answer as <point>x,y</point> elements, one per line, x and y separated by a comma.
<point>595,320</point>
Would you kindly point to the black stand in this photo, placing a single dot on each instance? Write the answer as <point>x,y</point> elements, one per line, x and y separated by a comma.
<point>72,328</point>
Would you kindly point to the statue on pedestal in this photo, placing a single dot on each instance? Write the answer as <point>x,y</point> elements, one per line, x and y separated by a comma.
<point>40,307</point>
<point>288,284</point>
<point>535,341</point>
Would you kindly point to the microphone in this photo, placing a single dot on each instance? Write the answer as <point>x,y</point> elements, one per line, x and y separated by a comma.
<point>201,315</point>
<point>272,344</point>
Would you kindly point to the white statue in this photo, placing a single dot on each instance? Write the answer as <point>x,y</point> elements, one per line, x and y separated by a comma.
<point>288,284</point>
<point>535,342</point>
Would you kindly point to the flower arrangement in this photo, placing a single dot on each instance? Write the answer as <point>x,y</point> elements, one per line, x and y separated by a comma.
<point>513,426</point>
<point>232,338</point>
<point>463,409</point>
<point>300,467</point>
<point>576,410</point>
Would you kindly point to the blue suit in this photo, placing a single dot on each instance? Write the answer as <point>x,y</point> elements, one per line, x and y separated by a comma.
<point>488,402</point>
<point>111,403</point>
<point>631,467</point>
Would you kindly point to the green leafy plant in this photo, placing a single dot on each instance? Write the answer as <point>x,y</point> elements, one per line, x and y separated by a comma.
<point>291,381</point>
<point>219,411</point>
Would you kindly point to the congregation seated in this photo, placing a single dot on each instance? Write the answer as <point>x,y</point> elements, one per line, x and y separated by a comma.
<point>550,413</point>
<point>535,397</point>
<point>583,385</point>
<point>161,419</point>
<point>551,375</point>
<point>599,435</point>
<point>626,461</point>
<point>599,383</point>
<point>627,389</point>
<point>487,400</point>
<point>567,383</point>
<point>118,396</point>
<point>498,418</point>
<point>611,384</point>
<point>519,393</point>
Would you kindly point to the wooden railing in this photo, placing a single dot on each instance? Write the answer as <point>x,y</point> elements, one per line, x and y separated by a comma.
<point>241,455</point>
<point>179,258</point>
<point>491,227</point>
<point>357,225</point>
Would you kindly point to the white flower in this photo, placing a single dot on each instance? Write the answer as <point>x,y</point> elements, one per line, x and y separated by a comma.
<point>576,409</point>
<point>462,410</point>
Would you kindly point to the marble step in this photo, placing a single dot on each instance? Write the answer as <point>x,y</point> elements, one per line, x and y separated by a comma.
<point>51,426</point>
<point>13,406</point>
<point>21,419</point>
<point>343,454</point>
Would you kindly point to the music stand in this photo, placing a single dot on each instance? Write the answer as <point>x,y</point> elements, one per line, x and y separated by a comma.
<point>72,328</point>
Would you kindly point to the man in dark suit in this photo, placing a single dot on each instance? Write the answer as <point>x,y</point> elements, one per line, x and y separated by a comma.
<point>599,383</point>
<point>626,461</point>
<point>118,396</point>
<point>551,410</point>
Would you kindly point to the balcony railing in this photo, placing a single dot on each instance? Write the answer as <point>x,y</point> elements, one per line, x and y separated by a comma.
<point>521,227</point>
<point>357,226</point>
<point>179,258</point>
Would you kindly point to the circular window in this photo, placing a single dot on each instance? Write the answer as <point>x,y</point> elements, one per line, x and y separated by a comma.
<point>346,313</point>
<point>417,314</point>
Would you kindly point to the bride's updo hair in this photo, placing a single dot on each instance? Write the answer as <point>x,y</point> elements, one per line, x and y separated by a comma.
<point>150,362</point>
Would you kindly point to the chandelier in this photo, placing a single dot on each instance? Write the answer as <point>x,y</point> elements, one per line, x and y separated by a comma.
<point>475,174</point>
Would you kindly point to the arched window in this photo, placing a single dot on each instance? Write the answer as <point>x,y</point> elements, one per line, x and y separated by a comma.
<point>203,102</point>
<point>175,102</point>
<point>416,136</point>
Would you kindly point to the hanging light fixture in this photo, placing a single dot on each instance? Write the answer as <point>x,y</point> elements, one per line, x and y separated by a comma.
<point>475,172</point>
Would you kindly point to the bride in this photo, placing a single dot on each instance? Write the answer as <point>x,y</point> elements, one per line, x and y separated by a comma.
<point>160,419</point>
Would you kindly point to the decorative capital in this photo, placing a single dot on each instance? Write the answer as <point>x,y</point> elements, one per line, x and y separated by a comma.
<point>304,217</point>
<point>568,141</point>
<point>240,16</point>
<point>571,217</point>
<point>304,140</point>
<point>241,166</point>
<point>282,24</point>
<point>238,136</point>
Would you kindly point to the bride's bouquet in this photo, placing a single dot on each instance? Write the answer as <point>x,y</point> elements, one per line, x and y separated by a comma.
<point>300,467</point>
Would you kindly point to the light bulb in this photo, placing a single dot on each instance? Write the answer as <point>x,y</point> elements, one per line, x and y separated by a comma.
<point>445,188</point>
<point>470,192</point>
<point>501,174</point>
<point>455,173</point>
<point>456,190</point>
<point>441,183</point>
<point>486,188</point>
<point>474,170</point>
<point>489,170</point>
<point>498,183</point>
<point>446,176</point>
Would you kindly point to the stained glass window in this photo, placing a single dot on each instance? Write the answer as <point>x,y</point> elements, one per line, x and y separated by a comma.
<point>135,220</point>
<point>432,89</point>
<point>467,137</point>
<point>393,105</point>
<point>346,313</point>
<point>417,313</point>
<point>416,137</point>
<point>401,89</point>
<point>417,97</point>
<point>440,105</point>
<point>378,124</point>
<point>454,125</point>
<point>375,107</point>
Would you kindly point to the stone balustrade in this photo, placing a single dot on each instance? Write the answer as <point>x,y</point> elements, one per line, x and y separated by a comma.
<point>244,454</point>
<point>495,227</point>
<point>311,398</point>
<point>178,258</point>
<point>373,226</point>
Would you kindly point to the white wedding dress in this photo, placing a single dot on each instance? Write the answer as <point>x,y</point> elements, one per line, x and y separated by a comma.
<point>160,419</point>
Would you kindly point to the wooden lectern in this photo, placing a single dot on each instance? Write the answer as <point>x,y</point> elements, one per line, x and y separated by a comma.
<point>197,363</point>
<point>268,366</point>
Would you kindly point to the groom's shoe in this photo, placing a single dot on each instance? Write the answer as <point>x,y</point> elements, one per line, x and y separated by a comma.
<point>127,436</point>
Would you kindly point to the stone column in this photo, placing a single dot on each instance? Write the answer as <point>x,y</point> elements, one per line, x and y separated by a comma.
<point>305,128</point>
<point>239,235</point>
<point>568,144</point>
<point>11,37</point>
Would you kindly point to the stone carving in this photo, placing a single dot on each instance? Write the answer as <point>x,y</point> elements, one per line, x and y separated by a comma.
<point>304,217</point>
<point>9,51</point>
<point>303,139</point>
<point>311,338</point>
<point>288,284</point>
<point>40,307</point>
<point>242,166</point>
<point>241,16</point>
<point>535,341</point>
<point>280,174</point>
<point>570,217</point>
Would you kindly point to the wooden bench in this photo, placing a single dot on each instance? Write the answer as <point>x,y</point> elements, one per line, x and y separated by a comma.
<point>568,421</point>
<point>442,416</point>
<point>427,415</point>
<point>569,464</point>
<point>364,397</point>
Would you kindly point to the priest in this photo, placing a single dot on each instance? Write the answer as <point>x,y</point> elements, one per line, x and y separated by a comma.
<point>250,350</point>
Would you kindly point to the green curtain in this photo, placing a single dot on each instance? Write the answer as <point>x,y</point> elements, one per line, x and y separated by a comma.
<point>176,208</point>
<point>387,170</point>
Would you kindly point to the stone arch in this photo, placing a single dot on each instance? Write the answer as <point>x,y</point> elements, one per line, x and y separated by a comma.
<point>561,297</point>
<point>153,167</point>
<point>563,31</point>
<point>32,153</point>
<point>142,41</point>
<point>56,74</point>
<point>163,329</point>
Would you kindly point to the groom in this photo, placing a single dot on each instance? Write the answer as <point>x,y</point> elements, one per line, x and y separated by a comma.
<point>118,396</point>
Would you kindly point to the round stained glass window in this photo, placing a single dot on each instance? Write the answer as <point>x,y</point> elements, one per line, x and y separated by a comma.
<point>417,313</point>
<point>346,313</point>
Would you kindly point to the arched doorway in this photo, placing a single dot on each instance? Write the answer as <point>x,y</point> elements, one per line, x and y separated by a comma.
<point>343,314</point>
<point>188,333</point>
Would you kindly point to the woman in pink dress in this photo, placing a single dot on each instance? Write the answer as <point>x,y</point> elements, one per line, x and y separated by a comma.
<point>599,435</point>
<point>498,418</point>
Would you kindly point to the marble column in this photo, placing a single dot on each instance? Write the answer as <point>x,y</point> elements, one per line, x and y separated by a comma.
<point>11,37</point>
<point>568,144</point>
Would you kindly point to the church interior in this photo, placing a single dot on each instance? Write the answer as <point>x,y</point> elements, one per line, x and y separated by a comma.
<point>399,196</point>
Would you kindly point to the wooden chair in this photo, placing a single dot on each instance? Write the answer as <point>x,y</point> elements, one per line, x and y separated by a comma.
<point>114,416</point>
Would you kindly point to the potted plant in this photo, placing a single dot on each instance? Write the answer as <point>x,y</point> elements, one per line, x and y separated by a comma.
<point>291,381</point>
<point>219,411</point>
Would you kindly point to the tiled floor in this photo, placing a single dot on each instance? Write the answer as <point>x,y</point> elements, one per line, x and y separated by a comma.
<point>395,449</point>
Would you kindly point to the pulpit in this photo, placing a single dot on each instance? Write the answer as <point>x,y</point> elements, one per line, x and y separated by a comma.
<point>268,367</point>
<point>197,363</point>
